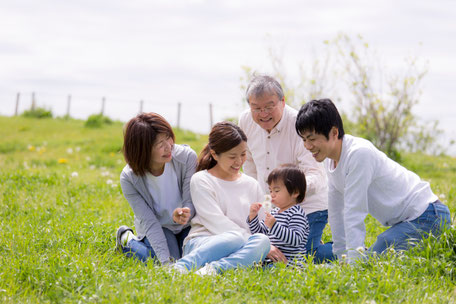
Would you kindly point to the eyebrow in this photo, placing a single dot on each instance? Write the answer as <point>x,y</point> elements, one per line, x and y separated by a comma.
<point>267,104</point>
<point>313,134</point>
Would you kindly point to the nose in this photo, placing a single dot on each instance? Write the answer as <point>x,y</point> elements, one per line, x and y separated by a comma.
<point>307,145</point>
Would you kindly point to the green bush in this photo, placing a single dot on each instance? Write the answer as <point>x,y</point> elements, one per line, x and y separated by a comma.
<point>38,113</point>
<point>97,121</point>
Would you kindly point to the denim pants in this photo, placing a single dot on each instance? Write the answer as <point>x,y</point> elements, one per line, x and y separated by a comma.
<point>403,235</point>
<point>224,251</point>
<point>143,250</point>
<point>317,222</point>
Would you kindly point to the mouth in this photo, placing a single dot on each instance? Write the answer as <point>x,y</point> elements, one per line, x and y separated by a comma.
<point>236,168</point>
<point>314,154</point>
<point>266,120</point>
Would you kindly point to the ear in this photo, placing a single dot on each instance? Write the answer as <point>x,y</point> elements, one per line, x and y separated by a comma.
<point>334,132</point>
<point>213,154</point>
<point>295,195</point>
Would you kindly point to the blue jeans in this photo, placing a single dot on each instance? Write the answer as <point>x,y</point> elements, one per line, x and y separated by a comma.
<point>224,251</point>
<point>143,250</point>
<point>317,222</point>
<point>403,235</point>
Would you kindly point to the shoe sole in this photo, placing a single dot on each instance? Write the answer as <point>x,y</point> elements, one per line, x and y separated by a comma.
<point>119,233</point>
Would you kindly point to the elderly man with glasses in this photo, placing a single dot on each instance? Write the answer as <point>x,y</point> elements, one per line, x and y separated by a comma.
<point>272,140</point>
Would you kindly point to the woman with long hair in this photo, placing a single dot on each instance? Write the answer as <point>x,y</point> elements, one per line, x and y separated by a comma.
<point>156,184</point>
<point>220,238</point>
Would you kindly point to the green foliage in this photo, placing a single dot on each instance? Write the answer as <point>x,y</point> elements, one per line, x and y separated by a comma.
<point>61,202</point>
<point>37,113</point>
<point>97,121</point>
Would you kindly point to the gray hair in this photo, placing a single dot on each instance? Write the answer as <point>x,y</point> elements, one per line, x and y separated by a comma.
<point>263,84</point>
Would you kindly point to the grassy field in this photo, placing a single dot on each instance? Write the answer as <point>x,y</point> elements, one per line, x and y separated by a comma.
<point>61,203</point>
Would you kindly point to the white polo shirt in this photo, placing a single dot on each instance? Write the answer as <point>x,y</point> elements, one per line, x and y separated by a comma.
<point>267,151</point>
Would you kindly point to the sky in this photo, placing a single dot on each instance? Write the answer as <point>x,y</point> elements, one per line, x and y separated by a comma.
<point>192,52</point>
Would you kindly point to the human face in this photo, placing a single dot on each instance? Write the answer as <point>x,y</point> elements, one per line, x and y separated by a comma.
<point>161,150</point>
<point>280,196</point>
<point>267,110</point>
<point>230,162</point>
<point>322,147</point>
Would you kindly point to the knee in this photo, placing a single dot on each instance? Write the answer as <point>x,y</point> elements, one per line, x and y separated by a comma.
<point>262,242</point>
<point>234,240</point>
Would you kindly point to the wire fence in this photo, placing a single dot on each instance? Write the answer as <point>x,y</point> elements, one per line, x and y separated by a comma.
<point>197,116</point>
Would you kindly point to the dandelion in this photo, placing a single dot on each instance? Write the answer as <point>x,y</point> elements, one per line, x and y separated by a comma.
<point>105,173</point>
<point>88,158</point>
<point>442,196</point>
<point>74,174</point>
<point>41,150</point>
<point>109,182</point>
<point>360,249</point>
<point>92,167</point>
<point>62,161</point>
<point>267,205</point>
<point>78,149</point>
<point>112,154</point>
<point>70,151</point>
<point>31,148</point>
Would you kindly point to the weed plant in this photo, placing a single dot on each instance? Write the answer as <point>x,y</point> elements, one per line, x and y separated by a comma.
<point>61,203</point>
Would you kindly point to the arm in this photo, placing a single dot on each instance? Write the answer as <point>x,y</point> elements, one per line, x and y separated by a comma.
<point>190,168</point>
<point>208,208</point>
<point>360,168</point>
<point>257,227</point>
<point>153,229</point>
<point>296,233</point>
<point>249,166</point>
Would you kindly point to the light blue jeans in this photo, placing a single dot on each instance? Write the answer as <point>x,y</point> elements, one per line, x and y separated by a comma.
<point>224,251</point>
<point>317,222</point>
<point>142,249</point>
<point>403,235</point>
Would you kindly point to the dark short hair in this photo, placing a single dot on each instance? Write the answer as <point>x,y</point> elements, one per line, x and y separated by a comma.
<point>292,177</point>
<point>319,116</point>
<point>224,136</point>
<point>140,134</point>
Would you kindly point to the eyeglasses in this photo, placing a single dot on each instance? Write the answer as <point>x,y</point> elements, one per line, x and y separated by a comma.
<point>266,110</point>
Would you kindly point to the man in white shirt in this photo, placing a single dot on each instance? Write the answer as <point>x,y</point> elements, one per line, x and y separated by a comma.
<point>272,140</point>
<point>363,180</point>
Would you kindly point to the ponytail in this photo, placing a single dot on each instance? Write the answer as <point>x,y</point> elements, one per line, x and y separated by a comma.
<point>205,159</point>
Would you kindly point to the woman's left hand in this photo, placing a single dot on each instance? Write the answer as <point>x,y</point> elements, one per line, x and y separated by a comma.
<point>181,215</point>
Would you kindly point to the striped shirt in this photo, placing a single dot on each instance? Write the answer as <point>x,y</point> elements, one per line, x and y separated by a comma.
<point>289,233</point>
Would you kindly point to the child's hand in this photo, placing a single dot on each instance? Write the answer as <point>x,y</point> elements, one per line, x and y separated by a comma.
<point>254,208</point>
<point>269,220</point>
<point>181,215</point>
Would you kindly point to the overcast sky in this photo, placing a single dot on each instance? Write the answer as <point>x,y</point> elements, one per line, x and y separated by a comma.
<point>165,52</point>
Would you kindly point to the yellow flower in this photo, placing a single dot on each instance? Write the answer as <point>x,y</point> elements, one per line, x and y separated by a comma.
<point>112,154</point>
<point>62,161</point>
<point>31,148</point>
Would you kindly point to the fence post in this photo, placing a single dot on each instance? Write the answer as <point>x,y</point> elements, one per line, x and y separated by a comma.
<point>210,116</point>
<point>33,102</point>
<point>178,114</point>
<point>141,103</point>
<point>103,101</point>
<point>18,96</point>
<point>68,106</point>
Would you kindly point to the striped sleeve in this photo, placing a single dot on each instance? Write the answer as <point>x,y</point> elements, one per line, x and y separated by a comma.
<point>257,227</point>
<point>292,231</point>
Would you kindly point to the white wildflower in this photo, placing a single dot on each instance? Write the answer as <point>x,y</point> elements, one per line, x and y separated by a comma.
<point>109,182</point>
<point>78,149</point>
<point>105,173</point>
<point>360,249</point>
<point>92,167</point>
<point>442,196</point>
<point>267,205</point>
<point>70,150</point>
<point>88,158</point>
<point>74,174</point>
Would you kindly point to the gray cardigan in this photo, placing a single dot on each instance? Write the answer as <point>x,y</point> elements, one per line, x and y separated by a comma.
<point>136,192</point>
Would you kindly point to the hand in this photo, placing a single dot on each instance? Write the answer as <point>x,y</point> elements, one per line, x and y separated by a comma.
<point>254,208</point>
<point>269,220</point>
<point>181,215</point>
<point>276,255</point>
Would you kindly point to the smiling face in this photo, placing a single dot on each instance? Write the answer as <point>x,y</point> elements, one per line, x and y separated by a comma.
<point>267,110</point>
<point>161,150</point>
<point>322,147</point>
<point>280,196</point>
<point>230,162</point>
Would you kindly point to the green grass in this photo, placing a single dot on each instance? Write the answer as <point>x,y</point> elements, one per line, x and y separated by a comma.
<point>61,204</point>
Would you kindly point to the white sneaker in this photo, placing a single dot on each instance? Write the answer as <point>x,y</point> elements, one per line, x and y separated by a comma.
<point>208,269</point>
<point>123,235</point>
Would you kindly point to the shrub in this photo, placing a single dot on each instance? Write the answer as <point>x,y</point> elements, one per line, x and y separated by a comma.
<point>97,121</point>
<point>37,113</point>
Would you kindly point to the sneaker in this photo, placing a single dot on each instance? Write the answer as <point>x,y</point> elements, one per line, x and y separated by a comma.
<point>120,231</point>
<point>207,270</point>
